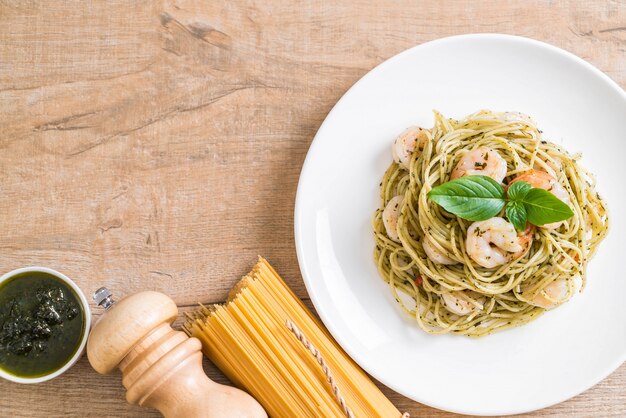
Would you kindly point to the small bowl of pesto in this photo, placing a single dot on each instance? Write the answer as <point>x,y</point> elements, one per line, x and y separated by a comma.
<point>44,324</point>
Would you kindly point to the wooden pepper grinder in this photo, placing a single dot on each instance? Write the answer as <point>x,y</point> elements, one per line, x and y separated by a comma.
<point>161,367</point>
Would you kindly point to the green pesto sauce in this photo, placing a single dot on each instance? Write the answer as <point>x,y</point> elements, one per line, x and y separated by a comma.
<point>41,324</point>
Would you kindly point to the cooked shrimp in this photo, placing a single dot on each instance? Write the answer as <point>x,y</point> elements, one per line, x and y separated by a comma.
<point>494,242</point>
<point>543,180</point>
<point>462,302</point>
<point>435,255</point>
<point>482,161</point>
<point>407,142</point>
<point>525,238</point>
<point>555,293</point>
<point>390,217</point>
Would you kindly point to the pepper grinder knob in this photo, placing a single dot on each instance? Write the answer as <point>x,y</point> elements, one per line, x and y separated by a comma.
<point>103,297</point>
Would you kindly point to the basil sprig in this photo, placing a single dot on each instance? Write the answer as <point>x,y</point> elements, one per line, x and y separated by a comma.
<point>474,198</point>
<point>477,198</point>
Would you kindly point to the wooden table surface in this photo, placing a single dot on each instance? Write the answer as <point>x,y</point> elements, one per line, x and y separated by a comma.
<point>157,145</point>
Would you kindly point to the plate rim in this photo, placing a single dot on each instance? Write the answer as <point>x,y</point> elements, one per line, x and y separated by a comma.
<point>298,221</point>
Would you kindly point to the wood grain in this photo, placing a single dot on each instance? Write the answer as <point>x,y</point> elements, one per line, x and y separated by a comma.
<point>157,145</point>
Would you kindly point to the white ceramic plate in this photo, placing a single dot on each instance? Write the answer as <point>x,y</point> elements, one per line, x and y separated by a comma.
<point>542,363</point>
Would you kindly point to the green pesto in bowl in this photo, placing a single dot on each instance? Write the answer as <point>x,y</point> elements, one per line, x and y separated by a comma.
<point>42,324</point>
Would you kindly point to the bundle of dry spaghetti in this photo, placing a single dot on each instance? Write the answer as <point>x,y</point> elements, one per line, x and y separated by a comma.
<point>267,342</point>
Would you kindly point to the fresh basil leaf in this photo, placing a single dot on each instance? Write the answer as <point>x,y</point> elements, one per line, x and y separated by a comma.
<point>518,190</point>
<point>475,198</point>
<point>516,214</point>
<point>542,207</point>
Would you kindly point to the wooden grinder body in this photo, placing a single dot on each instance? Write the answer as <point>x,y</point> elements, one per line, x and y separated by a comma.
<point>161,367</point>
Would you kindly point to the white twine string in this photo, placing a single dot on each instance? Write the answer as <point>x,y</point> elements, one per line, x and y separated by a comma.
<point>329,377</point>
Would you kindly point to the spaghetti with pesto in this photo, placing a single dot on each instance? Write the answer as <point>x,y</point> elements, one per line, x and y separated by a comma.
<point>473,278</point>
